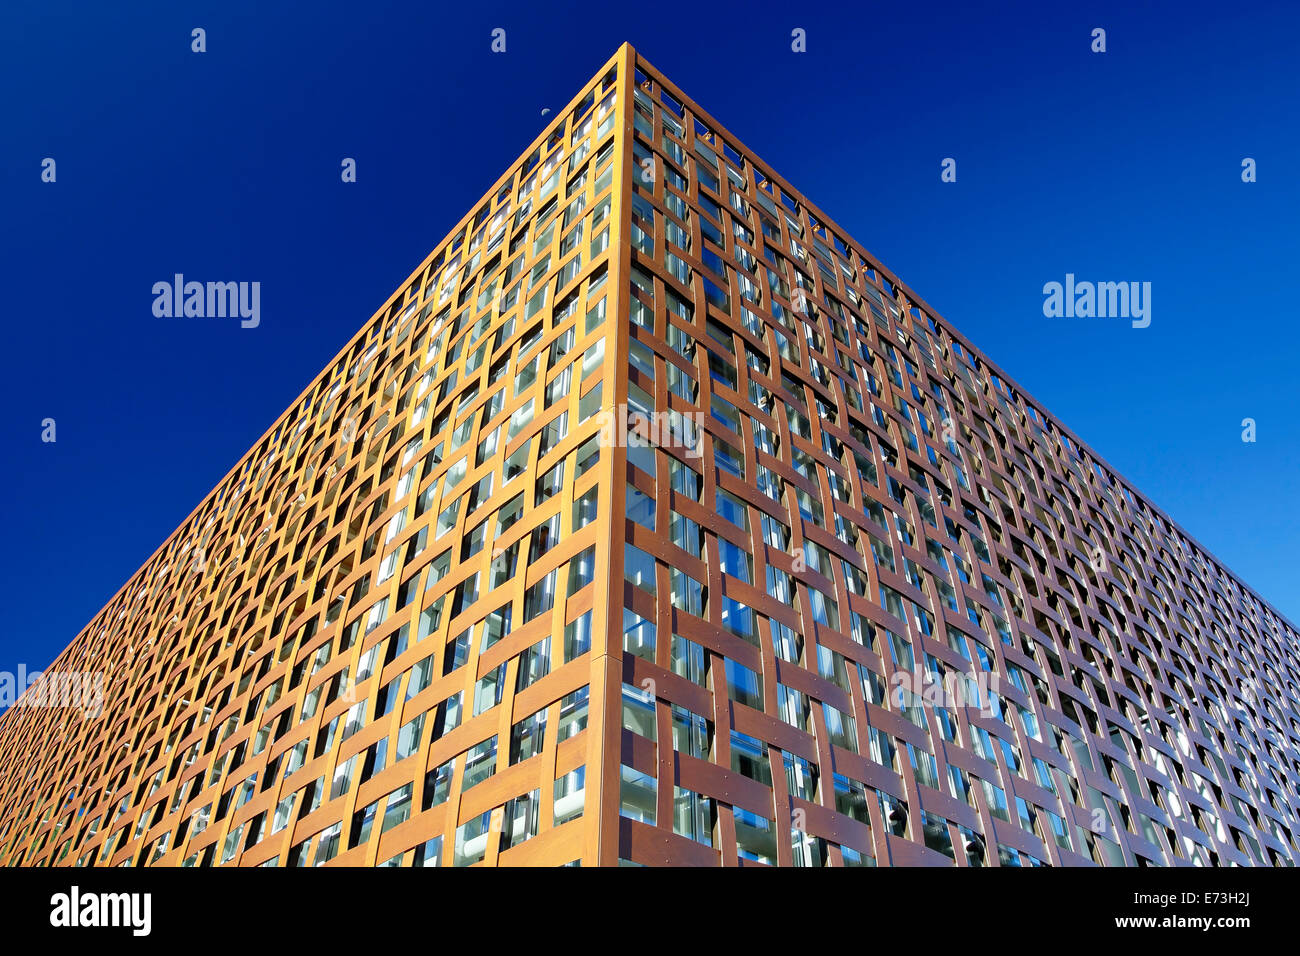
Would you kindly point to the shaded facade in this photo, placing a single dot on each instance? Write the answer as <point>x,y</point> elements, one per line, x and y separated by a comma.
<point>653,521</point>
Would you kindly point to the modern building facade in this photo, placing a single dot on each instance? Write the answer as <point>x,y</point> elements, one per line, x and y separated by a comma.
<point>653,521</point>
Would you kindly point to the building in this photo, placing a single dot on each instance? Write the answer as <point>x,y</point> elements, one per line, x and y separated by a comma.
<point>652,520</point>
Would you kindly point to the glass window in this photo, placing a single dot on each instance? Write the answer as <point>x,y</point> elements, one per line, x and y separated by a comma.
<point>638,635</point>
<point>480,762</point>
<point>744,686</point>
<point>637,795</point>
<point>570,794</point>
<point>755,837</point>
<point>573,713</point>
<point>749,757</point>
<point>639,712</point>
<point>577,637</point>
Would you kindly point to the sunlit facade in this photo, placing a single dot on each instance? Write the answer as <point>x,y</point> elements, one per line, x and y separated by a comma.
<point>653,521</point>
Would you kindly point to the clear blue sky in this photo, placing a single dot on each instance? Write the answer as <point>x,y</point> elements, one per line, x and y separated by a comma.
<point>225,165</point>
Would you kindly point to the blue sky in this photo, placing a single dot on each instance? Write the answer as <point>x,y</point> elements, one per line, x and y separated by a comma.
<point>225,165</point>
